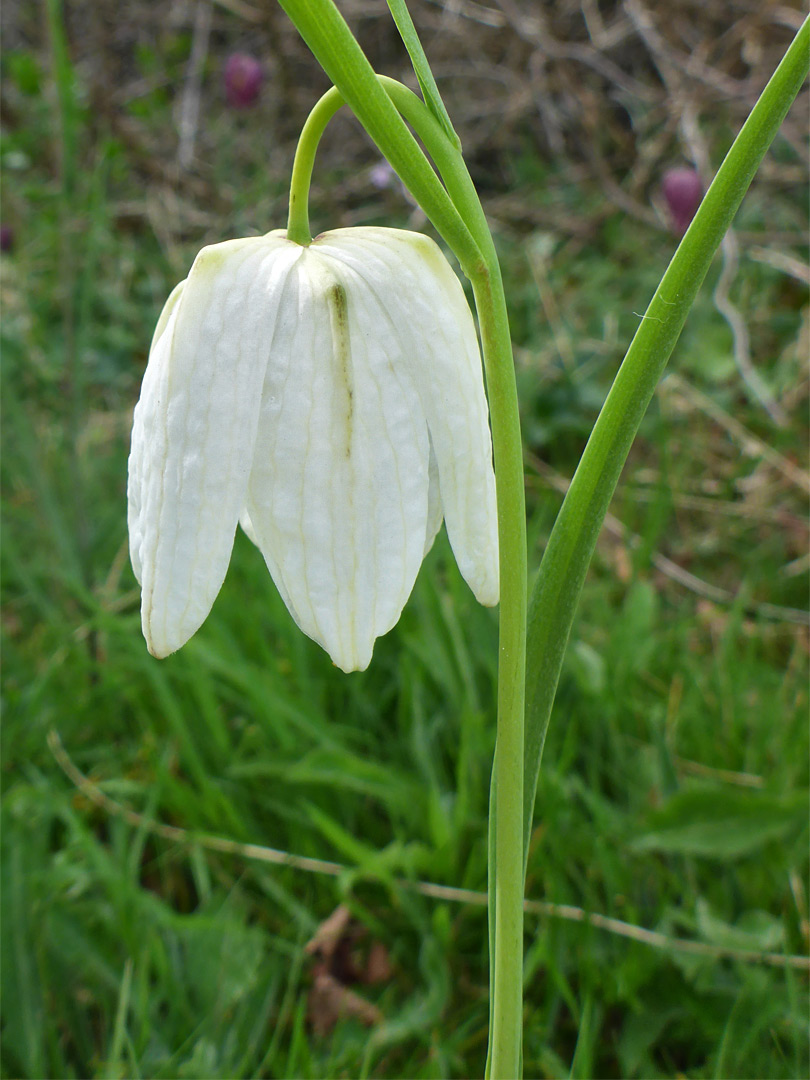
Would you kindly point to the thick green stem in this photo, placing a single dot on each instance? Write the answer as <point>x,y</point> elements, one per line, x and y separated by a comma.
<point>506,857</point>
<point>506,804</point>
<point>479,261</point>
<point>573,538</point>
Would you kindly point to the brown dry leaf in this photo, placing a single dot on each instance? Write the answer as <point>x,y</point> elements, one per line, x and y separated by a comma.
<point>378,964</point>
<point>330,1001</point>
<point>623,564</point>
<point>340,958</point>
<point>329,934</point>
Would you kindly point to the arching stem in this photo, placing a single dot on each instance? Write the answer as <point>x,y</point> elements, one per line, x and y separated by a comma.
<point>310,137</point>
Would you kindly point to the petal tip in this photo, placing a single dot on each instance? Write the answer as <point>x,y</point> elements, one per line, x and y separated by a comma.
<point>350,661</point>
<point>489,597</point>
<point>159,651</point>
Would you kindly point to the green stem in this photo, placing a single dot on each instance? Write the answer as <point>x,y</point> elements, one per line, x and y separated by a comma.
<point>298,216</point>
<point>506,871</point>
<point>323,28</point>
<point>506,855</point>
<point>506,802</point>
<point>573,538</point>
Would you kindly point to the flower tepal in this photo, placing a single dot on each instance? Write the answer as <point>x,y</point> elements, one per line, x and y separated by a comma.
<point>331,398</point>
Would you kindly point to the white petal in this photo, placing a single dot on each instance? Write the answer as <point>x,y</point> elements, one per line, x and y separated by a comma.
<point>247,527</point>
<point>194,431</point>
<point>424,300</point>
<point>143,433</point>
<point>338,497</point>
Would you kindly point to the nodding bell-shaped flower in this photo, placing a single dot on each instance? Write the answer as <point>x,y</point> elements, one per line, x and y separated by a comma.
<point>330,398</point>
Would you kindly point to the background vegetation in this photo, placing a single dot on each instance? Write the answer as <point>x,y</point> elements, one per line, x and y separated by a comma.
<point>673,795</point>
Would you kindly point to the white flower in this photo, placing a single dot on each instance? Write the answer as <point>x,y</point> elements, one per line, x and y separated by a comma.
<point>331,398</point>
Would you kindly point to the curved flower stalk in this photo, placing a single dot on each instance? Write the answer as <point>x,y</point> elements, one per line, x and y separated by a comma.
<point>331,398</point>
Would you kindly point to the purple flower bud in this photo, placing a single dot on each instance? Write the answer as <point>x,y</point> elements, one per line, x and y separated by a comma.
<point>243,80</point>
<point>6,238</point>
<point>683,191</point>
<point>381,175</point>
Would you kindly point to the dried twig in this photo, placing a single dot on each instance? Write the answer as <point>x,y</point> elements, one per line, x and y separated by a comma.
<point>749,443</point>
<point>543,908</point>
<point>243,10</point>
<point>781,260</point>
<point>681,99</point>
<point>730,251</point>
<point>190,101</point>
<point>671,569</point>
<point>758,389</point>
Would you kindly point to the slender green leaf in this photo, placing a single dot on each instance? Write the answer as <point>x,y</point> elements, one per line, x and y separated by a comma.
<point>558,586</point>
<point>427,84</point>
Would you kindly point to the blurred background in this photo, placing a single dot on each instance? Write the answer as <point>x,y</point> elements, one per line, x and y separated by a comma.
<point>140,937</point>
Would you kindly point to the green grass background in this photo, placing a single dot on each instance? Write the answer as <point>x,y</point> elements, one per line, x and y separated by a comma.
<point>673,793</point>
